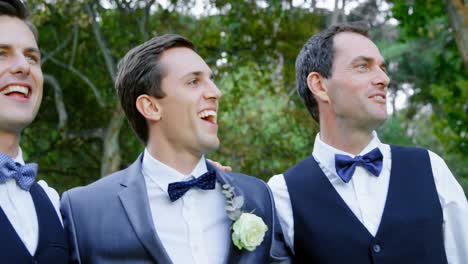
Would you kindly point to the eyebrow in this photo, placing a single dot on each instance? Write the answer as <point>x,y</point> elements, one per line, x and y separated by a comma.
<point>195,73</point>
<point>368,59</point>
<point>30,49</point>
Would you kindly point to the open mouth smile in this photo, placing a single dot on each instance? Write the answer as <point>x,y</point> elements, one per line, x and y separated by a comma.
<point>379,98</point>
<point>208,115</point>
<point>17,91</point>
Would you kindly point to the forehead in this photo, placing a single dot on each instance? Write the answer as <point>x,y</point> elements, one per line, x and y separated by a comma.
<point>15,32</point>
<point>180,61</point>
<point>349,45</point>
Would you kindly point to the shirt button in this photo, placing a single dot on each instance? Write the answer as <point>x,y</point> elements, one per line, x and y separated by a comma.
<point>376,248</point>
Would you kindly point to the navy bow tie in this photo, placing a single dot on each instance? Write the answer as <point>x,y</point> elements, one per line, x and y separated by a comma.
<point>205,182</point>
<point>345,165</point>
<point>23,174</point>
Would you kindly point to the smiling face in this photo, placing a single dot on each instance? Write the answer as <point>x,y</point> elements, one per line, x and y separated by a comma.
<point>20,75</point>
<point>357,87</point>
<point>188,111</point>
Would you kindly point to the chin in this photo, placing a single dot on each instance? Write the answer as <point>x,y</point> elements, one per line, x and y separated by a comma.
<point>383,117</point>
<point>211,145</point>
<point>15,126</point>
<point>378,122</point>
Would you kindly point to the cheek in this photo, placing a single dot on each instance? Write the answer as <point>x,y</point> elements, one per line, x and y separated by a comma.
<point>352,90</point>
<point>3,68</point>
<point>38,78</point>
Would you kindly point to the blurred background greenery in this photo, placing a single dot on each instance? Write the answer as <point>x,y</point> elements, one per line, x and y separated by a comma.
<point>81,135</point>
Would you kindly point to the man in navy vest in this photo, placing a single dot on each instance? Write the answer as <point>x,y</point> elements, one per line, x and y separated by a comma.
<point>356,199</point>
<point>30,226</point>
<point>170,205</point>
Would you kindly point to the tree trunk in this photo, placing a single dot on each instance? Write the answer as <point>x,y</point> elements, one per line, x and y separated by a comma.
<point>111,154</point>
<point>313,4</point>
<point>110,64</point>
<point>342,13</point>
<point>59,104</point>
<point>338,15</point>
<point>111,159</point>
<point>335,14</point>
<point>458,16</point>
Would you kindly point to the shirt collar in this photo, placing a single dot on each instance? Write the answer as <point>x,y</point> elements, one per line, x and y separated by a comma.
<point>19,158</point>
<point>163,174</point>
<point>325,154</point>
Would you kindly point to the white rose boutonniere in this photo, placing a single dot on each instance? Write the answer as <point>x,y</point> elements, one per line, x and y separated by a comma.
<point>248,229</point>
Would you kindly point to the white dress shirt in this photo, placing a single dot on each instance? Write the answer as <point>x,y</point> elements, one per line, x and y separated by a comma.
<point>193,229</point>
<point>365,195</point>
<point>18,206</point>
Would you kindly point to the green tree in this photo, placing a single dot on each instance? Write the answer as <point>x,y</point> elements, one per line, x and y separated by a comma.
<point>428,60</point>
<point>80,133</point>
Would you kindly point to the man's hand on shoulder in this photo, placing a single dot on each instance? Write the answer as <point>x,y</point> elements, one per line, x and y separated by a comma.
<point>220,166</point>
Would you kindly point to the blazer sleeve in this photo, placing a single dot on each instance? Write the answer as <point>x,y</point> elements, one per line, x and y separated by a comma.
<point>69,226</point>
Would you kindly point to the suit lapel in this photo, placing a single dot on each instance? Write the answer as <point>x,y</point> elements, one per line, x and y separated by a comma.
<point>234,254</point>
<point>135,203</point>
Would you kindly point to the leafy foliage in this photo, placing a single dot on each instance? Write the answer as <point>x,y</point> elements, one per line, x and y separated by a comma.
<point>436,70</point>
<point>251,46</point>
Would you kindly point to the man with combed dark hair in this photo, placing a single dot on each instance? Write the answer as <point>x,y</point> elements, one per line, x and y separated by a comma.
<point>356,199</point>
<point>30,226</point>
<point>170,205</point>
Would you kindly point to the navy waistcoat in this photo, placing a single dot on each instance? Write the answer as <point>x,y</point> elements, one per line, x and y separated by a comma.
<point>52,247</point>
<point>327,231</point>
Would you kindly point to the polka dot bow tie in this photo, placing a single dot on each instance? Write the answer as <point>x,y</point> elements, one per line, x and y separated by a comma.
<point>205,182</point>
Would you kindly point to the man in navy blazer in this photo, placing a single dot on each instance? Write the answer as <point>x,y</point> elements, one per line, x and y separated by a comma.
<point>170,205</point>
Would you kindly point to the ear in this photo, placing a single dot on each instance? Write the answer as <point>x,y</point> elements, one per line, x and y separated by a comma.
<point>148,106</point>
<point>318,86</point>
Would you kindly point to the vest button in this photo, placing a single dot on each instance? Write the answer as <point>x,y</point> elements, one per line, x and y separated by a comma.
<point>376,248</point>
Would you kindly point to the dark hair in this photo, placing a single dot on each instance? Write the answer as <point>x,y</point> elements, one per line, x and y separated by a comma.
<point>140,72</point>
<point>317,56</point>
<point>16,8</point>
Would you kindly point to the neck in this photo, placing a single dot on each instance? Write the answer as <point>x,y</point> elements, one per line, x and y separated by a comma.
<point>182,161</point>
<point>9,143</point>
<point>345,137</point>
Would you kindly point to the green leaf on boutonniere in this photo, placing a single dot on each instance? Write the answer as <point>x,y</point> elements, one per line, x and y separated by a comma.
<point>234,215</point>
<point>248,229</point>
<point>233,203</point>
<point>227,194</point>
<point>238,202</point>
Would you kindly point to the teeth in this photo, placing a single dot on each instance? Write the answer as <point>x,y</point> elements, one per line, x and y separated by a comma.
<point>379,97</point>
<point>206,113</point>
<point>16,88</point>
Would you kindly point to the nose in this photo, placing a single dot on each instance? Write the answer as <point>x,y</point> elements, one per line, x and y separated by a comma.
<point>212,91</point>
<point>20,65</point>
<point>381,78</point>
